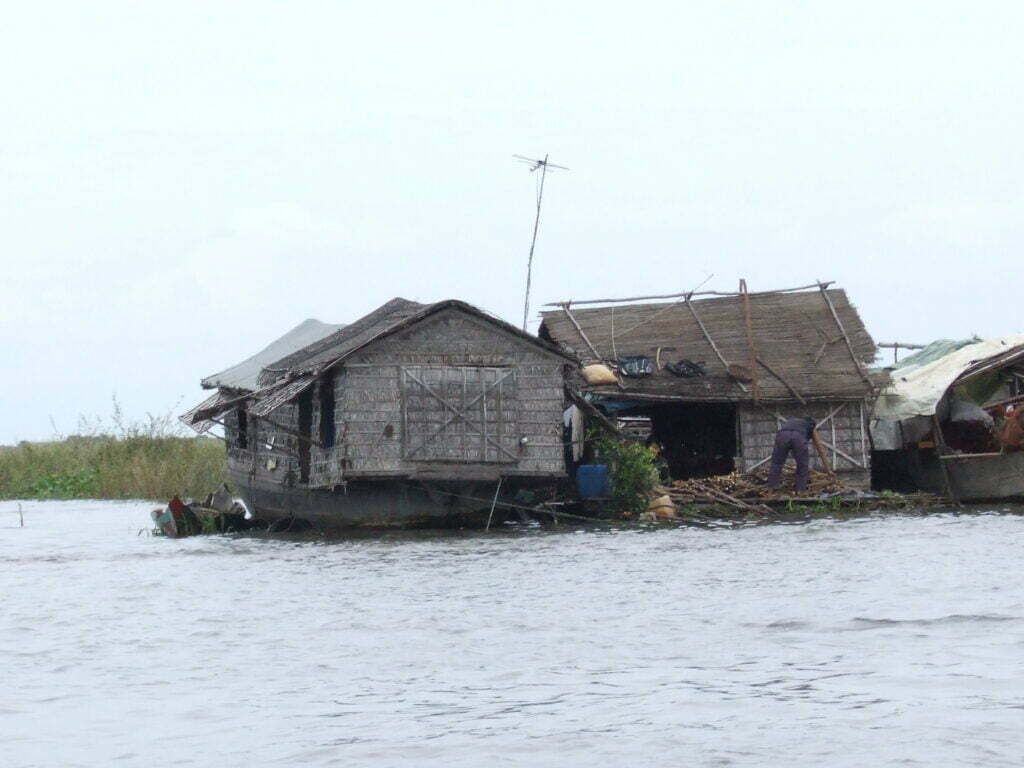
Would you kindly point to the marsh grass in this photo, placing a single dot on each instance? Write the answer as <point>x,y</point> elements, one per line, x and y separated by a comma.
<point>148,459</point>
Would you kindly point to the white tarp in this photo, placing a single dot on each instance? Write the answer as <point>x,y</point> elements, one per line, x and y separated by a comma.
<point>917,390</point>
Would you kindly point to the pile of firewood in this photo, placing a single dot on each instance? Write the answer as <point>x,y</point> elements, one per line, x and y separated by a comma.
<point>744,491</point>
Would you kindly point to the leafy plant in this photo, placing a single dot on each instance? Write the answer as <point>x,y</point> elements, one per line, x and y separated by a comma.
<point>633,472</point>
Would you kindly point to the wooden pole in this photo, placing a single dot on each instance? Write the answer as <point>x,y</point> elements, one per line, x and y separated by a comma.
<point>940,442</point>
<point>494,503</point>
<point>821,452</point>
<point>576,325</point>
<point>842,330</point>
<point>748,322</point>
<point>533,240</point>
<point>707,336</point>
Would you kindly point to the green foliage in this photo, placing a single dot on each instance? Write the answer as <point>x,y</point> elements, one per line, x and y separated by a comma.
<point>633,472</point>
<point>114,459</point>
<point>73,484</point>
<point>107,467</point>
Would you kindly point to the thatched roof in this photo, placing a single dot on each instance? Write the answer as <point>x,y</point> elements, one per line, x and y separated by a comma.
<point>795,336</point>
<point>289,376</point>
<point>390,318</point>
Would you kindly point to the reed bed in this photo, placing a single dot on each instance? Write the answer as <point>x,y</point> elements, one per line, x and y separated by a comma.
<point>106,467</point>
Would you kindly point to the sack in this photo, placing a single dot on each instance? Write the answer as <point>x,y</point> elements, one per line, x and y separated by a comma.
<point>687,369</point>
<point>636,367</point>
<point>598,374</point>
<point>662,507</point>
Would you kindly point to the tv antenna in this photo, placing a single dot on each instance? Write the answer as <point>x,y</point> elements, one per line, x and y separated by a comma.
<point>542,166</point>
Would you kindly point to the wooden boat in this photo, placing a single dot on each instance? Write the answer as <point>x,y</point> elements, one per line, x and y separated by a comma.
<point>973,476</point>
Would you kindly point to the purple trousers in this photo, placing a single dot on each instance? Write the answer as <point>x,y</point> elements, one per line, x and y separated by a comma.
<point>786,442</point>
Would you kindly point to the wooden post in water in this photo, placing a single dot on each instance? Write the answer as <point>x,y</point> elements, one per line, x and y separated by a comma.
<point>494,503</point>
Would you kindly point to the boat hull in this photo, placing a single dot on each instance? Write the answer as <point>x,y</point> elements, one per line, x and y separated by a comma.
<point>975,477</point>
<point>368,503</point>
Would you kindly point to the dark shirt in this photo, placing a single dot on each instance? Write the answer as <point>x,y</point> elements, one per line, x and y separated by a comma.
<point>801,424</point>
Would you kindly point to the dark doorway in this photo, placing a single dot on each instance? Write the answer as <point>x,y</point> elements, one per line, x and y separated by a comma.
<point>305,433</point>
<point>695,439</point>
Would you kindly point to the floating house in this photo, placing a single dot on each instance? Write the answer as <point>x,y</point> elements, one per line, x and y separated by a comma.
<point>714,375</point>
<point>413,412</point>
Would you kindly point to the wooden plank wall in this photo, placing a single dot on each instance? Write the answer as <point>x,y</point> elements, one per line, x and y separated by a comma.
<point>368,395</point>
<point>842,428</point>
<point>271,455</point>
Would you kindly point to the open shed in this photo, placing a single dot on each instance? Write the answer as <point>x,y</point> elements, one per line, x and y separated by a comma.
<point>764,357</point>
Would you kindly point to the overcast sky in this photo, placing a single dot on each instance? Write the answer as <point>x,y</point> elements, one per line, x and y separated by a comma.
<point>183,182</point>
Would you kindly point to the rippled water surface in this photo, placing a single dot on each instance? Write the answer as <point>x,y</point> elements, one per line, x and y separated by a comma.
<point>877,641</point>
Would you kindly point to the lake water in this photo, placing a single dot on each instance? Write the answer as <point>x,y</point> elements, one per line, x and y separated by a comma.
<point>876,641</point>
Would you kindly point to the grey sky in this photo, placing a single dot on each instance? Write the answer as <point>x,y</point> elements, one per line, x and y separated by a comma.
<point>184,182</point>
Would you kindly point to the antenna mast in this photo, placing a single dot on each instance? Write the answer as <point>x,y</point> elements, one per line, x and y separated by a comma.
<point>543,165</point>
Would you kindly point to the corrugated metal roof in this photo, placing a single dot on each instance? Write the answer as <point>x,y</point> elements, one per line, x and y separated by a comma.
<point>245,375</point>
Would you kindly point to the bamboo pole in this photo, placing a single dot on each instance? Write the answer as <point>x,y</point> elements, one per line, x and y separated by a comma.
<point>821,452</point>
<point>846,338</point>
<point>494,502</point>
<point>749,325</point>
<point>714,347</point>
<point>579,330</point>
<point>687,294</point>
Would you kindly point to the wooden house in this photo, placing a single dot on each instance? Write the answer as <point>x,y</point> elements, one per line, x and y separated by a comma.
<point>765,356</point>
<point>400,415</point>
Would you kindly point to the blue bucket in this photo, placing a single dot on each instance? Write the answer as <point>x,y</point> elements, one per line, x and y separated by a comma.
<point>592,481</point>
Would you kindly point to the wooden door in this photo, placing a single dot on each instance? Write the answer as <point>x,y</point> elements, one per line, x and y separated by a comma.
<point>459,414</point>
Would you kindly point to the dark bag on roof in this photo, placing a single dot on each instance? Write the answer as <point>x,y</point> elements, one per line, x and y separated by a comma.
<point>687,369</point>
<point>636,367</point>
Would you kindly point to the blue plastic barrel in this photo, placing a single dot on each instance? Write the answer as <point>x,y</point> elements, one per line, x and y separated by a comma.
<point>592,481</point>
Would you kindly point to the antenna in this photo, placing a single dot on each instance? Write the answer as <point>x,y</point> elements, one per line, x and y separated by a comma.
<point>543,166</point>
